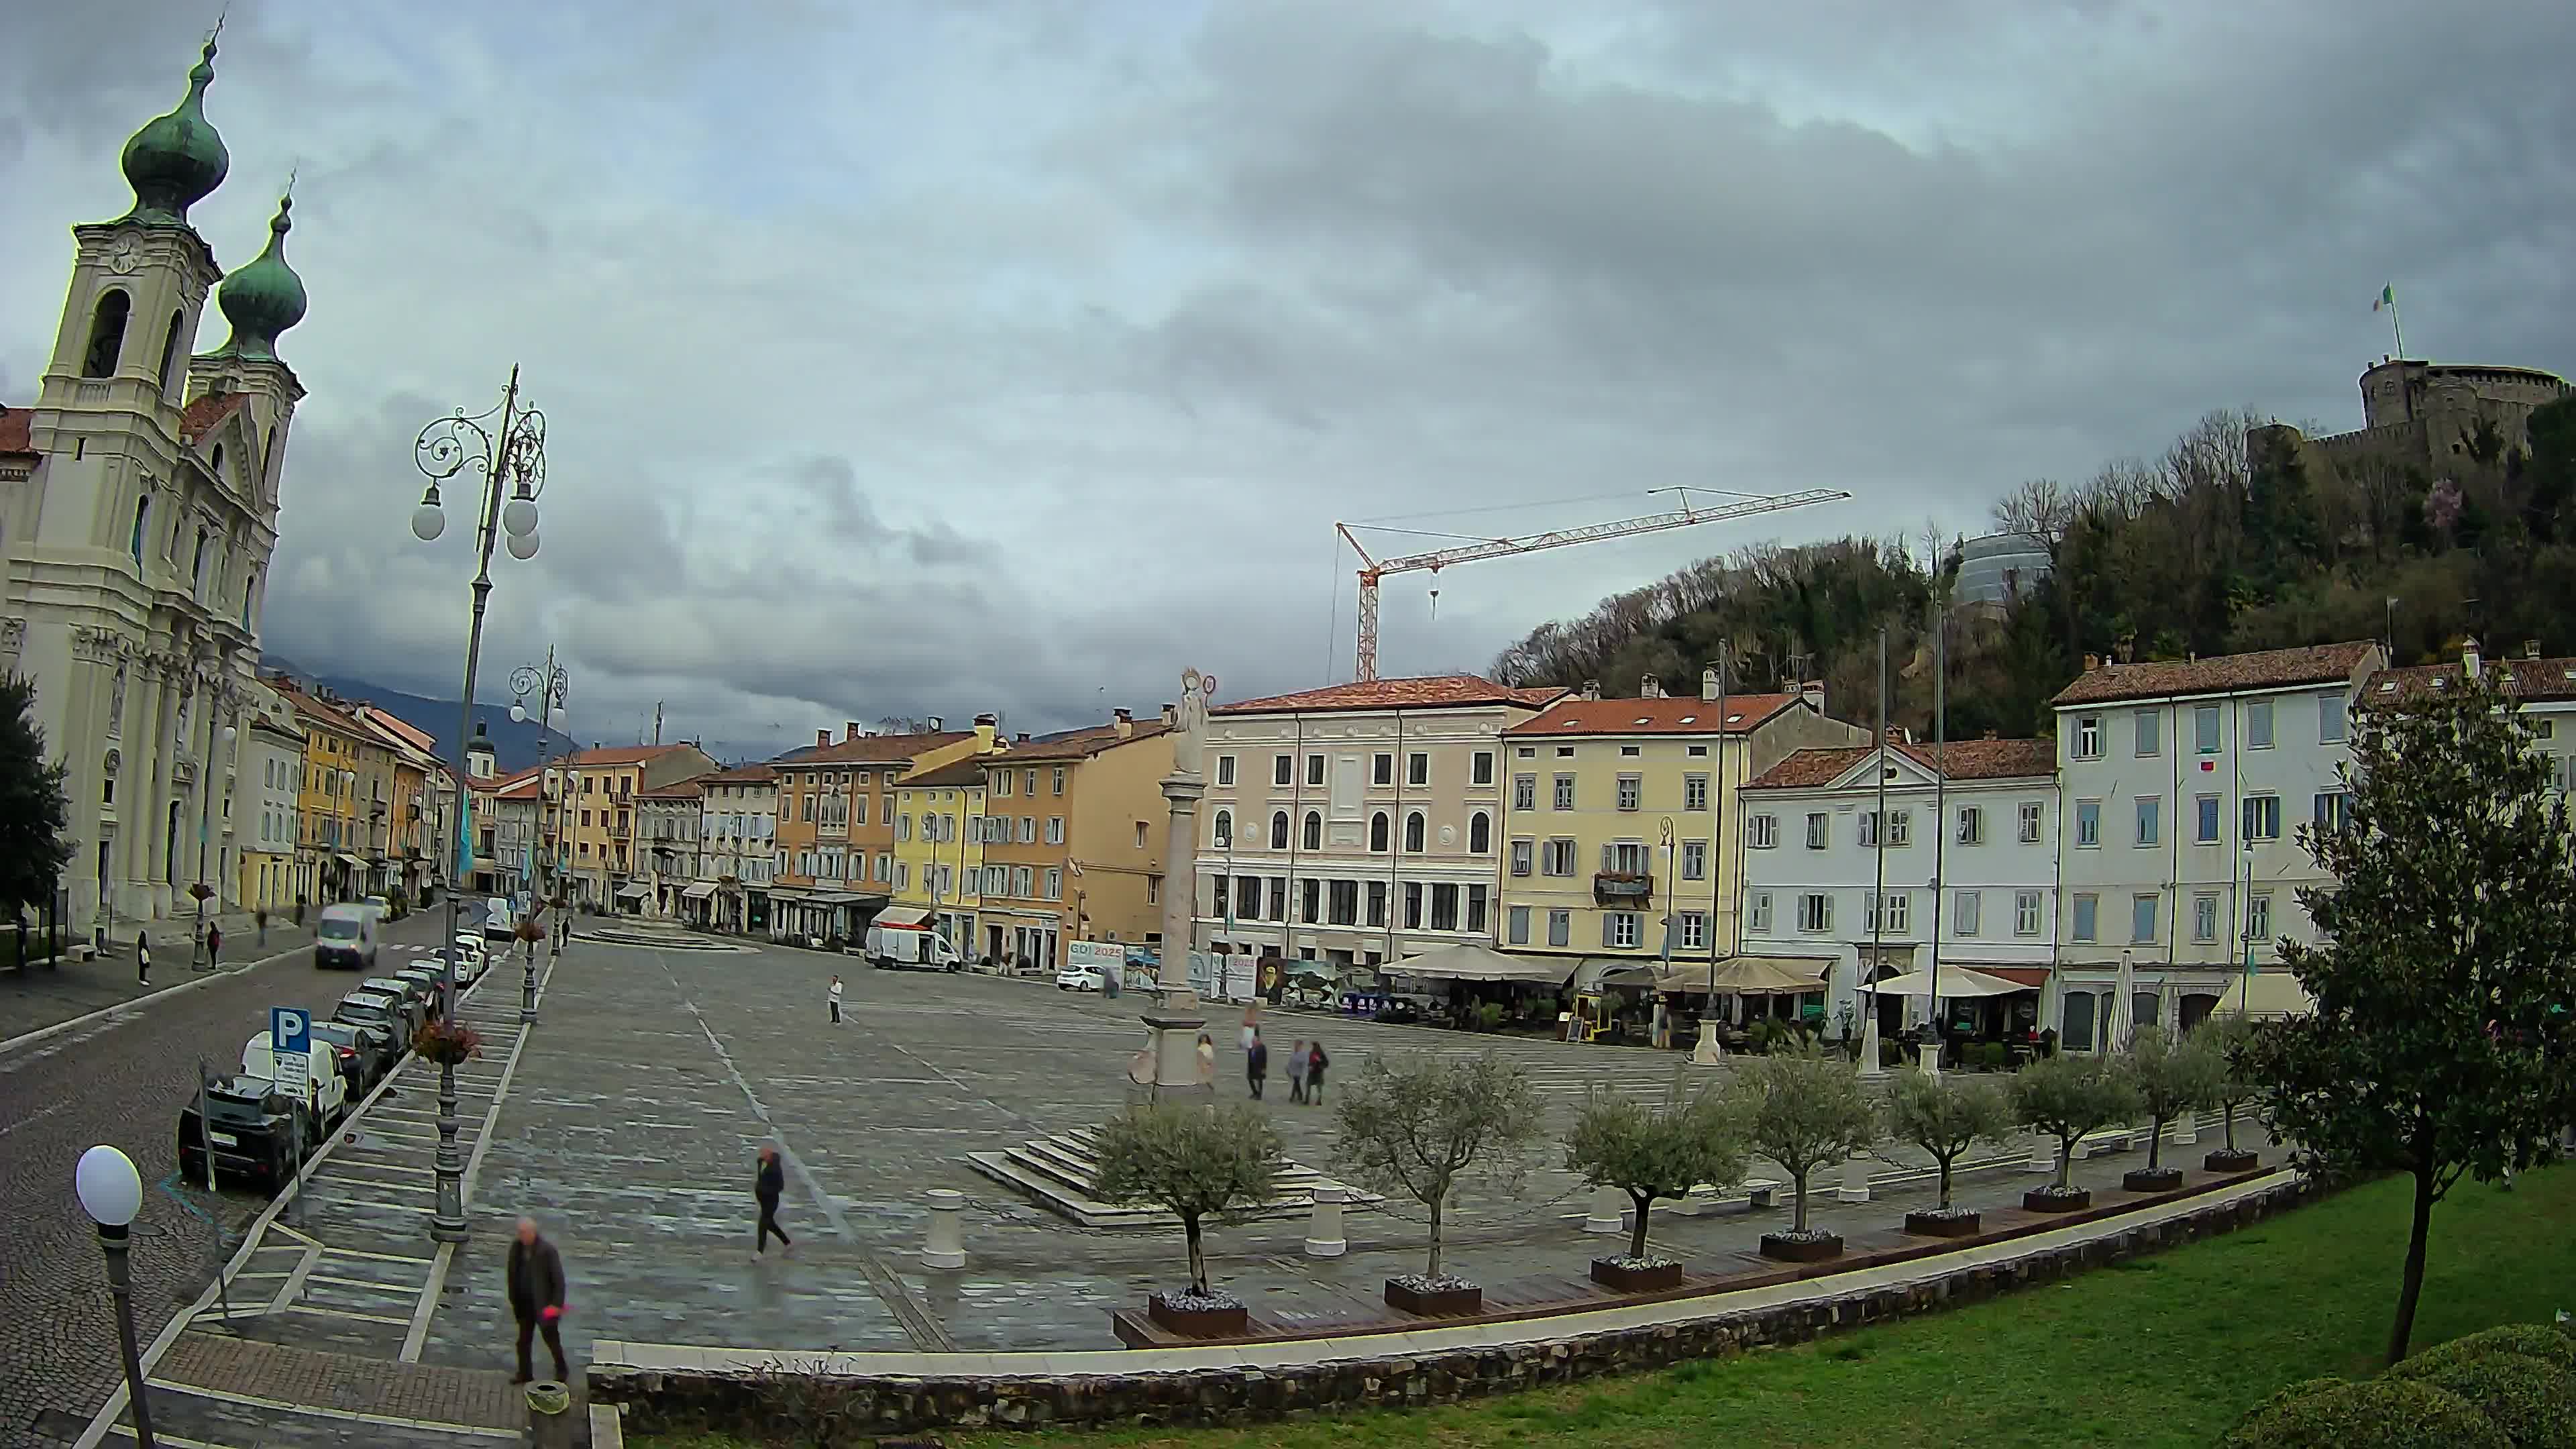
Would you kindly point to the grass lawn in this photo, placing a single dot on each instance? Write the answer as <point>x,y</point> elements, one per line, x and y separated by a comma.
<point>2160,1351</point>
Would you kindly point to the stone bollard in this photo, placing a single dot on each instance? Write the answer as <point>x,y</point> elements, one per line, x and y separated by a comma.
<point>1931,1059</point>
<point>1855,1183</point>
<point>1706,1052</point>
<point>1324,1228</point>
<point>1609,1209</point>
<point>2186,1129</point>
<point>549,1415</point>
<point>2043,1157</point>
<point>947,1247</point>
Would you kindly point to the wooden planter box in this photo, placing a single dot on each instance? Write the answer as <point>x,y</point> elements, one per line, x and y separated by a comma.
<point>2156,1179</point>
<point>1801,1250</point>
<point>2239,1160</point>
<point>1636,1280</point>
<point>2036,1201</point>
<point>1937,1225</point>
<point>1437,1303</point>
<point>1200,1322</point>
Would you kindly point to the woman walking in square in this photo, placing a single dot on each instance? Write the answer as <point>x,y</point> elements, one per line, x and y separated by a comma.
<point>1316,1061</point>
<point>1297,1071</point>
<point>769,1188</point>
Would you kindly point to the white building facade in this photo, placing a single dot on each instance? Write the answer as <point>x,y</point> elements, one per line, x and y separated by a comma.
<point>1961,869</point>
<point>1309,841</point>
<point>2184,784</point>
<point>668,824</point>
<point>737,859</point>
<point>138,511</point>
<point>269,773</point>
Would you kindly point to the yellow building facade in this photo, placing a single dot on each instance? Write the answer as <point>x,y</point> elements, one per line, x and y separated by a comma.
<point>340,801</point>
<point>939,850</point>
<point>1618,820</point>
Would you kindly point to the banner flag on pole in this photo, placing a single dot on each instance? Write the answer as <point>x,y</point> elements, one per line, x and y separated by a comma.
<point>2386,299</point>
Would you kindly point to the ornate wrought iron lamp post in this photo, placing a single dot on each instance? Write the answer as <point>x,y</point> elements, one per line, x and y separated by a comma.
<point>551,686</point>
<point>510,454</point>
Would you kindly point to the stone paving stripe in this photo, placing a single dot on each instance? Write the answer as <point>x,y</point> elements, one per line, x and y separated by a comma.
<point>294,1282</point>
<point>344,1313</point>
<point>174,1441</point>
<point>352,1416</point>
<point>428,1302</point>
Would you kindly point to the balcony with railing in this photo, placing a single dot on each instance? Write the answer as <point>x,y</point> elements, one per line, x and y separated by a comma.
<point>1623,887</point>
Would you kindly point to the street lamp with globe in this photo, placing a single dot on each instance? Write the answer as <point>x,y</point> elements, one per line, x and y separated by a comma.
<point>111,1192</point>
<point>510,456</point>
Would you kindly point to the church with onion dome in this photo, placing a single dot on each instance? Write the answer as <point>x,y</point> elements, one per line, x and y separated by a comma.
<point>138,513</point>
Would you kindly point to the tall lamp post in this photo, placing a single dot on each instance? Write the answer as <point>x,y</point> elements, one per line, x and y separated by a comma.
<point>111,1192</point>
<point>348,848</point>
<point>511,457</point>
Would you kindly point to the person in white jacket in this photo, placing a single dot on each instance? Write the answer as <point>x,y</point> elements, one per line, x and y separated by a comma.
<point>836,1001</point>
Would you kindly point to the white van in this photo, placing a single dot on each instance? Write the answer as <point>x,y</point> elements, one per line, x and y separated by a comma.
<point>346,936</point>
<point>916,948</point>
<point>499,922</point>
<point>325,1090</point>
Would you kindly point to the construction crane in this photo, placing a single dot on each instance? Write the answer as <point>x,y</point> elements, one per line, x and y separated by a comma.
<point>1372,570</point>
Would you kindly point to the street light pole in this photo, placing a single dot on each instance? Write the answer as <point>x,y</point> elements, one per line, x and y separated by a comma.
<point>111,1192</point>
<point>511,457</point>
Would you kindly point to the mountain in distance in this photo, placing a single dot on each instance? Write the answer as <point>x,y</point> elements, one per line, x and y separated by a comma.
<point>514,746</point>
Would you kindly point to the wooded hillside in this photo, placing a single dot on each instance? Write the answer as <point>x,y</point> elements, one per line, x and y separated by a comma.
<point>2204,550</point>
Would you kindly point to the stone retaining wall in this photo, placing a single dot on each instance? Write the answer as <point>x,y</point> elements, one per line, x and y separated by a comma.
<point>787,1398</point>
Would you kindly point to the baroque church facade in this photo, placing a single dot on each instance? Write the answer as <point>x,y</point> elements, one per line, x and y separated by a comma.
<point>138,514</point>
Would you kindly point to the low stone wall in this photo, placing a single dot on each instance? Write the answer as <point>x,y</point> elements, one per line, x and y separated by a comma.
<point>786,1398</point>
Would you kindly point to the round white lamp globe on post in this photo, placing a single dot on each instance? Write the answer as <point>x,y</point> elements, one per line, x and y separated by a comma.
<point>523,546</point>
<point>111,1192</point>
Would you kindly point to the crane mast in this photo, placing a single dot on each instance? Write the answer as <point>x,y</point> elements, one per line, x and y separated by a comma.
<point>1372,570</point>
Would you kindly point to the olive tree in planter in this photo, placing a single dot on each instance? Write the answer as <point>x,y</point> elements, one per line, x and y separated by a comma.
<point>2227,1039</point>
<point>1196,1164</point>
<point>2065,1097</point>
<point>2171,1075</point>
<point>1946,1115</point>
<point>1650,1153</point>
<point>1415,1125</point>
<point>1805,1109</point>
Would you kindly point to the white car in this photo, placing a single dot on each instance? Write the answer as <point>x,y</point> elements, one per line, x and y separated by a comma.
<point>1080,978</point>
<point>470,959</point>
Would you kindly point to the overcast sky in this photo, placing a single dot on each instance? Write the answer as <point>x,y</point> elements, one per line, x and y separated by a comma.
<point>932,358</point>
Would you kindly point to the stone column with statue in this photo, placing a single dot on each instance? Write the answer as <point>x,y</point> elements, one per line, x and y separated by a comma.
<point>1175,1020</point>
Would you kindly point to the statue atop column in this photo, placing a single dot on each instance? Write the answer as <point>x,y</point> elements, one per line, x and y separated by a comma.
<point>1189,736</point>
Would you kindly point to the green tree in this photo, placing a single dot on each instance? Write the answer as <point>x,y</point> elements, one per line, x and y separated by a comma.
<point>2441,1043</point>
<point>1946,1116</point>
<point>2067,1096</point>
<point>1653,1152</point>
<point>1417,1124</point>
<point>1805,1110</point>
<point>2229,1038</point>
<point>33,812</point>
<point>1192,1162</point>
<point>2171,1075</point>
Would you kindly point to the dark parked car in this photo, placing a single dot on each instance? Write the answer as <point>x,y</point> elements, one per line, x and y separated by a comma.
<point>414,995</point>
<point>382,1010</point>
<point>428,977</point>
<point>366,1053</point>
<point>254,1131</point>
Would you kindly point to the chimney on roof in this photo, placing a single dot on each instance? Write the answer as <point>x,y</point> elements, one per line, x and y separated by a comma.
<point>1124,721</point>
<point>986,725</point>
<point>822,737</point>
<point>1990,734</point>
<point>2092,662</point>
<point>1022,738</point>
<point>1171,716</point>
<point>849,729</point>
<point>2530,648</point>
<point>1592,689</point>
<point>1896,734</point>
<point>1813,692</point>
<point>2469,661</point>
<point>1708,685</point>
<point>1649,687</point>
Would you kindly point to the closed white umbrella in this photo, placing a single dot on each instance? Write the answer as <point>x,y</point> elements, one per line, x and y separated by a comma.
<point>2123,1016</point>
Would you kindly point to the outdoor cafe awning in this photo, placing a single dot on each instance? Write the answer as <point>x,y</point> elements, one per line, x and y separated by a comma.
<point>351,861</point>
<point>699,891</point>
<point>1956,982</point>
<point>1469,962</point>
<point>1736,975</point>
<point>903,916</point>
<point>635,889</point>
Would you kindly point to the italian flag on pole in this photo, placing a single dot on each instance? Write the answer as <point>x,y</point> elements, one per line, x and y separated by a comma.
<point>2387,298</point>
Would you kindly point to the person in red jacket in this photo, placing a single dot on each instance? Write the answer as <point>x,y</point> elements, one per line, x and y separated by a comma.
<point>537,1296</point>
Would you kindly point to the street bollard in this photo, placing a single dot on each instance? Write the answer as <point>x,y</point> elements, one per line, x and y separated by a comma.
<point>1931,1059</point>
<point>2043,1157</point>
<point>947,1232</point>
<point>549,1415</point>
<point>1324,1229</point>
<point>2186,1130</point>
<point>1855,1183</point>
<point>1609,1208</point>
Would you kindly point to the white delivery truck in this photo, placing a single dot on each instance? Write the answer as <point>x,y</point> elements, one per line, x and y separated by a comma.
<point>911,948</point>
<point>317,1079</point>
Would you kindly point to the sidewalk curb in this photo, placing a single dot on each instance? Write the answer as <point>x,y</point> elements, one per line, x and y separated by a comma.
<point>136,1003</point>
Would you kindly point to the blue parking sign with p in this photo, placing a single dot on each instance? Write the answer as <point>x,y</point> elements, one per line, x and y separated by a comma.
<point>290,1029</point>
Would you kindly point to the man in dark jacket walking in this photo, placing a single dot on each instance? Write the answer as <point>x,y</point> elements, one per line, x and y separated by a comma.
<point>771,1186</point>
<point>537,1296</point>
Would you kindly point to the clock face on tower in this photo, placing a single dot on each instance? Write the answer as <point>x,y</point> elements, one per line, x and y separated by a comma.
<point>126,256</point>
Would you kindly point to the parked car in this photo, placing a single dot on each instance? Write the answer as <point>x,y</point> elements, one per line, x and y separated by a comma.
<point>1080,978</point>
<point>325,1089</point>
<point>345,937</point>
<point>383,1010</point>
<point>429,979</point>
<point>252,1129</point>
<point>387,907</point>
<point>366,1053</point>
<point>470,959</point>
<point>414,999</point>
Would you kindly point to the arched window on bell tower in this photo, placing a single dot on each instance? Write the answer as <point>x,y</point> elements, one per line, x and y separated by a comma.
<point>107,333</point>
<point>142,515</point>
<point>170,352</point>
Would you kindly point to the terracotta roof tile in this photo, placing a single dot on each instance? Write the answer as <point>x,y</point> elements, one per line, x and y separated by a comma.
<point>208,412</point>
<point>690,789</point>
<point>742,775</point>
<point>872,749</point>
<point>968,773</point>
<point>1077,744</point>
<point>2269,669</point>
<point>16,434</point>
<point>621,754</point>
<point>2532,679</point>
<point>1967,760</point>
<point>1435,691</point>
<point>1664,716</point>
